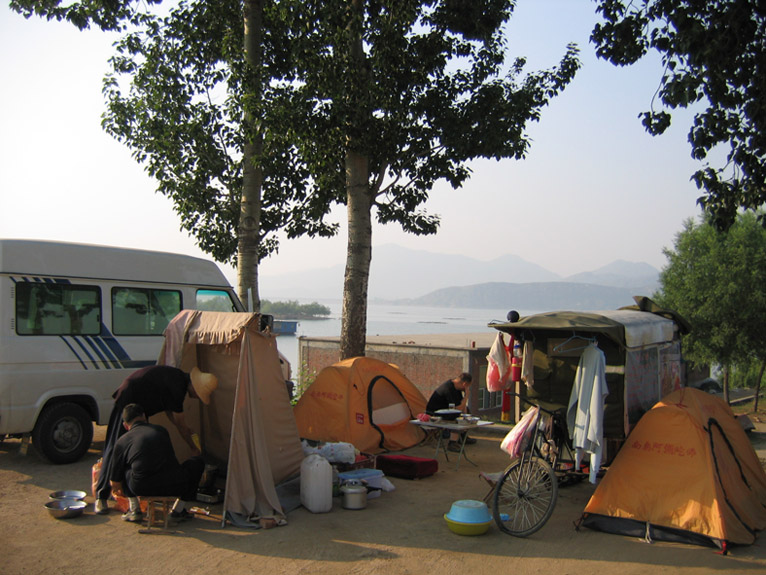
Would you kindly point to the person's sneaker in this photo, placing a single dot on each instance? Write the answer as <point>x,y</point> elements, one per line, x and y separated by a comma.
<point>133,516</point>
<point>453,446</point>
<point>181,515</point>
<point>101,507</point>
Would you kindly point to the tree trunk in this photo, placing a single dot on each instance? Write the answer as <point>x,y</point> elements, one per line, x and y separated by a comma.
<point>758,386</point>
<point>252,176</point>
<point>353,335</point>
<point>726,385</point>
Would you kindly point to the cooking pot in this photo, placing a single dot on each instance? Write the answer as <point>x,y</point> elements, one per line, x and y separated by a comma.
<point>354,495</point>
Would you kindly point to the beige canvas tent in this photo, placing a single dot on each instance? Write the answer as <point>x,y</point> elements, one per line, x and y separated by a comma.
<point>248,429</point>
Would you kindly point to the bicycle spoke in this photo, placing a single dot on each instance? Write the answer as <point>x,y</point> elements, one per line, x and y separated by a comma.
<point>526,494</point>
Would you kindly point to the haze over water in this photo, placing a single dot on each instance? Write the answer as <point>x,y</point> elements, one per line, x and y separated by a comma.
<point>388,319</point>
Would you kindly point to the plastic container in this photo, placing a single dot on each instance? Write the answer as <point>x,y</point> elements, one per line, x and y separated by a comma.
<point>468,517</point>
<point>316,484</point>
<point>469,511</point>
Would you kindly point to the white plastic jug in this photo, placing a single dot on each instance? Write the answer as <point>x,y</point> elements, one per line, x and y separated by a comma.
<point>316,484</point>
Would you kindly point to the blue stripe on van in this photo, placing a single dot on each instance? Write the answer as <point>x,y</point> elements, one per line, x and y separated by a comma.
<point>92,351</point>
<point>108,346</point>
<point>74,352</point>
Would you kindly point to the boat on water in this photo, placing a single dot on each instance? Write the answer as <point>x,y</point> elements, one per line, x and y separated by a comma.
<point>285,326</point>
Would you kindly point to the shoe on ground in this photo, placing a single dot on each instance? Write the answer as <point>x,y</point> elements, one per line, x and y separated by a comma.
<point>181,515</point>
<point>470,440</point>
<point>133,516</point>
<point>101,507</point>
<point>453,446</point>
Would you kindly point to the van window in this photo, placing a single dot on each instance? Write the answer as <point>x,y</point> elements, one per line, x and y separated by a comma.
<point>140,311</point>
<point>214,300</point>
<point>57,309</point>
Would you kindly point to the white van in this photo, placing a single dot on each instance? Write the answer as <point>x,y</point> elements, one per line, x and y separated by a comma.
<point>76,320</point>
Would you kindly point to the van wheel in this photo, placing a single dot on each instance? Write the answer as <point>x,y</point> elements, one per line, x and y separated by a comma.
<point>63,433</point>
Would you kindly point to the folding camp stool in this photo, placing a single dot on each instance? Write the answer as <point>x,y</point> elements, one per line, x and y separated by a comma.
<point>163,503</point>
<point>491,479</point>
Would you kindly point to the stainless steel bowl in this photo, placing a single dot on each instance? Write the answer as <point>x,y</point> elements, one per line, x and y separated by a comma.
<point>68,494</point>
<point>65,508</point>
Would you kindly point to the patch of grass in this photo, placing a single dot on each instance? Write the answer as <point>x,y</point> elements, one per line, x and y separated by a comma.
<point>747,407</point>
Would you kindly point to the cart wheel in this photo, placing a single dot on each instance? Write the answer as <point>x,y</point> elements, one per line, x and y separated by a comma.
<point>525,497</point>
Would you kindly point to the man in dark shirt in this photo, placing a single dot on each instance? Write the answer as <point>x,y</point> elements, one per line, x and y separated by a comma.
<point>454,393</point>
<point>158,388</point>
<point>144,463</point>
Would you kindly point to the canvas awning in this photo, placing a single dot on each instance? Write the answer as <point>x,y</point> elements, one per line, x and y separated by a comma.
<point>629,328</point>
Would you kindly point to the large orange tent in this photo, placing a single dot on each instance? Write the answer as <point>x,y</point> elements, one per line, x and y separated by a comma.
<point>362,401</point>
<point>687,473</point>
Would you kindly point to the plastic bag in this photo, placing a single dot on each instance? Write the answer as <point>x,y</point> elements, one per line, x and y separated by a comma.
<point>340,452</point>
<point>518,438</point>
<point>499,365</point>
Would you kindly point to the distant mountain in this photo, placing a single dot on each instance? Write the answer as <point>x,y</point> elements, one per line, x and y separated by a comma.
<point>529,296</point>
<point>620,274</point>
<point>397,272</point>
<point>400,273</point>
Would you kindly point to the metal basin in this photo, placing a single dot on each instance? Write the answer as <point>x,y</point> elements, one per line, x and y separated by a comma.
<point>65,508</point>
<point>68,494</point>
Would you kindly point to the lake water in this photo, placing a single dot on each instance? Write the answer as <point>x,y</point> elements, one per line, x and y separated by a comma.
<point>388,319</point>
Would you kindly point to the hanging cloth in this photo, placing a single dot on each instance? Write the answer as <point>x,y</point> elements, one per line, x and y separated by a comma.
<point>528,365</point>
<point>499,365</point>
<point>585,414</point>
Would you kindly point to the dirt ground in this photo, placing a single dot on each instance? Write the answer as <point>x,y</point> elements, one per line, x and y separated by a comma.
<point>401,532</point>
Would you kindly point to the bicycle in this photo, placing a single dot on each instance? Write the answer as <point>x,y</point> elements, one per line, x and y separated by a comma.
<point>526,494</point>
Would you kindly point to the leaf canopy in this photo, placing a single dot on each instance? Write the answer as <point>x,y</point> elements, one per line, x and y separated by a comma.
<point>715,280</point>
<point>714,55</point>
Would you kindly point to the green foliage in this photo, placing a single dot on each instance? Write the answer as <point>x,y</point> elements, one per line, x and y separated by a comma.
<point>366,103</point>
<point>713,53</point>
<point>745,376</point>
<point>182,115</point>
<point>716,280</point>
<point>294,310</point>
<point>177,95</point>
<point>431,92</point>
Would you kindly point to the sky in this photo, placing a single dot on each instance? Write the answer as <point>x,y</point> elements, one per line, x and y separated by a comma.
<point>594,187</point>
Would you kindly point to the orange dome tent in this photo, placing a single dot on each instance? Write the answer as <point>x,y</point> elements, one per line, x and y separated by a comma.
<point>362,401</point>
<point>687,473</point>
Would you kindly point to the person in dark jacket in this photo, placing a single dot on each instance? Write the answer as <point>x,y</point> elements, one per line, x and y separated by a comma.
<point>453,393</point>
<point>158,388</point>
<point>144,463</point>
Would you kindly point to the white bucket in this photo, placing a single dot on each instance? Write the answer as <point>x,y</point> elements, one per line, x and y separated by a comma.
<point>316,484</point>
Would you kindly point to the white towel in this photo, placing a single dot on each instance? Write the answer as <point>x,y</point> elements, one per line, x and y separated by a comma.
<point>585,414</point>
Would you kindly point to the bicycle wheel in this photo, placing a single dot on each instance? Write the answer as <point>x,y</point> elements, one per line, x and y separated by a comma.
<point>525,497</point>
